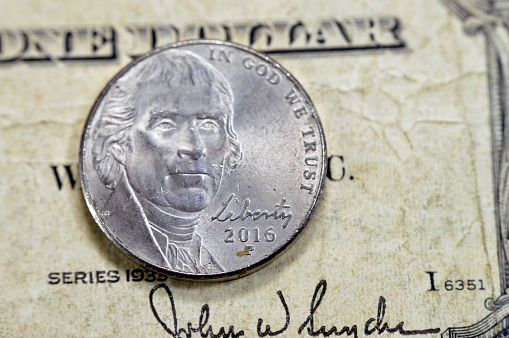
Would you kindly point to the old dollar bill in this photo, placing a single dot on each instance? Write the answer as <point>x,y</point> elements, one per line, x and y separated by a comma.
<point>410,236</point>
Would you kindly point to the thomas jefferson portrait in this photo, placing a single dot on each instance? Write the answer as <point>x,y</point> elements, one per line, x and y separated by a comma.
<point>163,142</point>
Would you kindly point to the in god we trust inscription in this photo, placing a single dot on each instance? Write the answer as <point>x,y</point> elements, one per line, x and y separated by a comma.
<point>203,160</point>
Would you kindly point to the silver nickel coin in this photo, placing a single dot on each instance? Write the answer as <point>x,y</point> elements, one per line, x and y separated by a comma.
<point>203,160</point>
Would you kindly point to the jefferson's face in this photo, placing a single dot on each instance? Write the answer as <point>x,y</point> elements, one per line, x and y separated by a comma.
<point>178,146</point>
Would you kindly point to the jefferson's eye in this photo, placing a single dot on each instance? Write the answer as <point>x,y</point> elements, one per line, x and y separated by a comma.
<point>165,125</point>
<point>209,125</point>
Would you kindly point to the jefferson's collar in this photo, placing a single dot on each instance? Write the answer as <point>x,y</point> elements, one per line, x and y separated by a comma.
<point>177,228</point>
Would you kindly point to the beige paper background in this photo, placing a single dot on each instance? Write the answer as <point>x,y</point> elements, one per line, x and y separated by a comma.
<point>413,127</point>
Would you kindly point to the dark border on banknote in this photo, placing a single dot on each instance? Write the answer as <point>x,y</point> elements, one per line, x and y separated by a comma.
<point>491,19</point>
<point>218,276</point>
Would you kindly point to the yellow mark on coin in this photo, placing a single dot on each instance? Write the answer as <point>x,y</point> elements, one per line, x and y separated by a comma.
<point>242,253</point>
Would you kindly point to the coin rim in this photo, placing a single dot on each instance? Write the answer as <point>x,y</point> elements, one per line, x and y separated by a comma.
<point>189,276</point>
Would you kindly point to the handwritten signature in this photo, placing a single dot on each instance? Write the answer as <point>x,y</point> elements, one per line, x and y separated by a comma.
<point>373,325</point>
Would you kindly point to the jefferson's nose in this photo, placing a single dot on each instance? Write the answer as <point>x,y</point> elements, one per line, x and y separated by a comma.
<point>191,146</point>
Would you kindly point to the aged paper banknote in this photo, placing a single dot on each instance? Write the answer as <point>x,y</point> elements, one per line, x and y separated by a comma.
<point>411,236</point>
